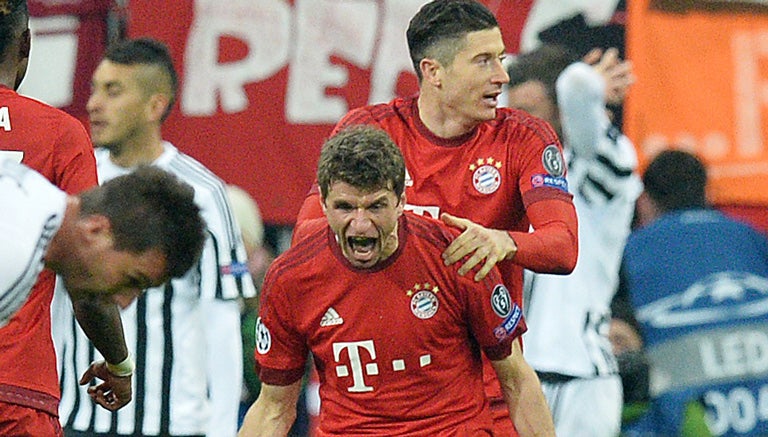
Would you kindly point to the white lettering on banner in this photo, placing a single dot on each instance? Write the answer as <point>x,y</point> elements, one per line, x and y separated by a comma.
<point>739,409</point>
<point>264,26</point>
<point>737,354</point>
<point>312,73</point>
<point>392,57</point>
<point>5,118</point>
<point>367,33</point>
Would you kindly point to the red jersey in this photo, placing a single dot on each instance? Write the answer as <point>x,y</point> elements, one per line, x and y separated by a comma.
<point>508,173</point>
<point>397,346</point>
<point>57,146</point>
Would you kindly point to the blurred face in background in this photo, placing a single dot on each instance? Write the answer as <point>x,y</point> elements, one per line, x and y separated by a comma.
<point>532,97</point>
<point>121,111</point>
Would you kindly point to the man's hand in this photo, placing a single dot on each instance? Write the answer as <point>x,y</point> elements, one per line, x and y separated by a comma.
<point>113,393</point>
<point>616,72</point>
<point>491,245</point>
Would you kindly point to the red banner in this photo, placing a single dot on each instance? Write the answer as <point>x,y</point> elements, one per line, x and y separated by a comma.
<point>263,82</point>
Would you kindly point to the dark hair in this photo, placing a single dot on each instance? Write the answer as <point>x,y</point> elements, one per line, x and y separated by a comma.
<point>14,16</point>
<point>151,52</point>
<point>150,208</point>
<point>436,30</point>
<point>676,180</point>
<point>362,156</point>
<point>543,64</point>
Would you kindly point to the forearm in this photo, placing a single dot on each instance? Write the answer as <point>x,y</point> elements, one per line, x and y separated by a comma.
<point>273,413</point>
<point>100,320</point>
<point>522,391</point>
<point>552,246</point>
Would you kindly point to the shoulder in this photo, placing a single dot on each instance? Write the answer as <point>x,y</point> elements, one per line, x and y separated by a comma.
<point>377,114</point>
<point>192,172</point>
<point>514,124</point>
<point>430,231</point>
<point>46,114</point>
<point>303,258</point>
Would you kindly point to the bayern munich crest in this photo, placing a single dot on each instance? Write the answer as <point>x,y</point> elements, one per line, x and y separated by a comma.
<point>486,177</point>
<point>424,301</point>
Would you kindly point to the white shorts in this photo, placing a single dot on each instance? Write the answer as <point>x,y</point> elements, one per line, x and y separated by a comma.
<point>585,407</point>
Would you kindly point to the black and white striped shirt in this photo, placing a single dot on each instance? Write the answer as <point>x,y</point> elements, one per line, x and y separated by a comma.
<point>184,336</point>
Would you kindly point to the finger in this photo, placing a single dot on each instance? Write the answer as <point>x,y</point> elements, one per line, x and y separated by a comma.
<point>593,56</point>
<point>490,262</point>
<point>457,250</point>
<point>454,221</point>
<point>87,377</point>
<point>470,263</point>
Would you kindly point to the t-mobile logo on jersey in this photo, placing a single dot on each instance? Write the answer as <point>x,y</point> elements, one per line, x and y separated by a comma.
<point>353,349</point>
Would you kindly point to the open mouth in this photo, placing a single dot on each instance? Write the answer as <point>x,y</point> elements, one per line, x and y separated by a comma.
<point>362,248</point>
<point>492,99</point>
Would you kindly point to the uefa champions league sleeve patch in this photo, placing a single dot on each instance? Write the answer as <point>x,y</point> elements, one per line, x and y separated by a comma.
<point>509,325</point>
<point>545,180</point>
<point>263,338</point>
<point>553,161</point>
<point>501,302</point>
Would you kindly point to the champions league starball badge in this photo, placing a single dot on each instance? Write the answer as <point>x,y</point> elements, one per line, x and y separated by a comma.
<point>552,160</point>
<point>263,338</point>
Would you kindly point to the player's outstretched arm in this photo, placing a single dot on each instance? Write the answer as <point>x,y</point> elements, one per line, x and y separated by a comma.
<point>522,392</point>
<point>273,413</point>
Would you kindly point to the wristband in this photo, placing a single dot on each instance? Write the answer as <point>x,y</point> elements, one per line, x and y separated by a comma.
<point>122,369</point>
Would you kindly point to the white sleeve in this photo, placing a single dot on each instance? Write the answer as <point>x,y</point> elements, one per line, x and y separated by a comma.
<point>224,364</point>
<point>602,160</point>
<point>224,265</point>
<point>581,100</point>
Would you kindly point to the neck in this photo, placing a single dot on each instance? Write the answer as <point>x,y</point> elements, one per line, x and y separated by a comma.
<point>8,74</point>
<point>140,150</point>
<point>441,120</point>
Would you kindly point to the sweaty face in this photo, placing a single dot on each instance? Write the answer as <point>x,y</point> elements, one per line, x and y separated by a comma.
<point>471,84</point>
<point>532,97</point>
<point>118,109</point>
<point>365,223</point>
<point>122,274</point>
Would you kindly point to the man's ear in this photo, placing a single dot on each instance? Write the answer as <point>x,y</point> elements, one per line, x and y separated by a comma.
<point>158,103</point>
<point>431,71</point>
<point>97,227</point>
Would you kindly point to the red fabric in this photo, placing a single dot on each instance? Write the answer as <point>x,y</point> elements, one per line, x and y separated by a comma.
<point>553,248</point>
<point>56,145</point>
<point>16,420</point>
<point>379,363</point>
<point>443,179</point>
<point>91,37</point>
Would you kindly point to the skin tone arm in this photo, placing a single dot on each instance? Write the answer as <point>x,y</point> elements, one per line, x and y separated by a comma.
<point>100,319</point>
<point>522,392</point>
<point>273,413</point>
